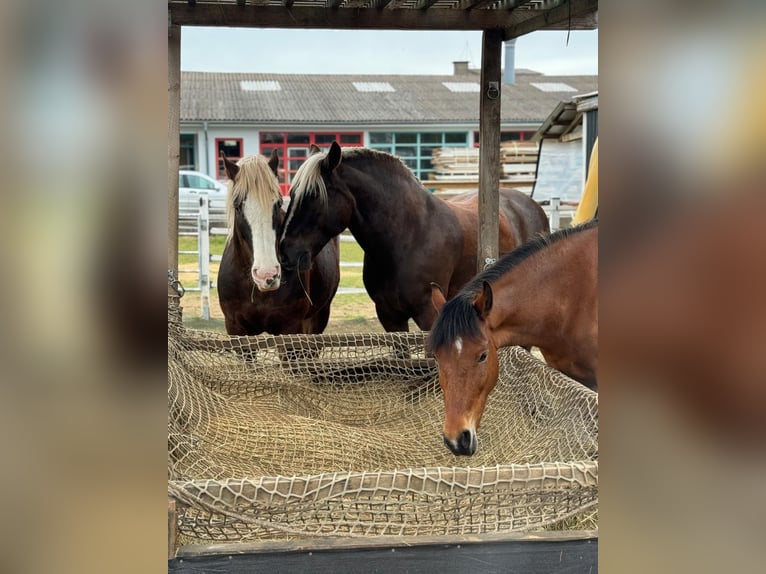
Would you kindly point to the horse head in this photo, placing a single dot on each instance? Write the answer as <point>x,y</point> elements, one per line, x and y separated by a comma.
<point>321,207</point>
<point>254,211</point>
<point>468,365</point>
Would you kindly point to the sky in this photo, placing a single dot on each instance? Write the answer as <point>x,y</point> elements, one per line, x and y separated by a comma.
<point>374,52</point>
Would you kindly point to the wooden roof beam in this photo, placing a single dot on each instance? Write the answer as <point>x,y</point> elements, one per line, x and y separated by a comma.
<point>478,4</point>
<point>425,4</point>
<point>300,16</point>
<point>532,20</point>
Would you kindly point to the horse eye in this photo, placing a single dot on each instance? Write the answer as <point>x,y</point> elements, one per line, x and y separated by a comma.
<point>483,357</point>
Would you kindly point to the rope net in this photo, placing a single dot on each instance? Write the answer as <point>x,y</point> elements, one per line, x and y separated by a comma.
<point>293,436</point>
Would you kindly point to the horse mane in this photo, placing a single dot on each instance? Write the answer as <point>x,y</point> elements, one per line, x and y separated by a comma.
<point>255,179</point>
<point>458,318</point>
<point>308,181</point>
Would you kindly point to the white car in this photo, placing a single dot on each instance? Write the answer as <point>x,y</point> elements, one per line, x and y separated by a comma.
<point>193,183</point>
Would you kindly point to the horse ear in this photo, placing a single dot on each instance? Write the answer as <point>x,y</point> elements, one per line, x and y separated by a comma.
<point>314,148</point>
<point>483,301</point>
<point>437,297</point>
<point>274,162</point>
<point>232,169</point>
<point>332,161</point>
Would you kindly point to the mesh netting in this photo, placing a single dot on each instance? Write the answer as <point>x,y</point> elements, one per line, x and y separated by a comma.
<point>289,436</point>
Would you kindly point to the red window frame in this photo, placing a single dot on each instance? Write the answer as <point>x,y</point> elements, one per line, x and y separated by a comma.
<point>524,135</point>
<point>292,155</point>
<point>220,171</point>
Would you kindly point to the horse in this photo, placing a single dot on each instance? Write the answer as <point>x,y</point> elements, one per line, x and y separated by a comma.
<point>410,237</point>
<point>255,293</point>
<point>543,294</point>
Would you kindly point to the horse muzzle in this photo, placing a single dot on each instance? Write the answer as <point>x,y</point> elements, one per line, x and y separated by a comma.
<point>465,444</point>
<point>297,260</point>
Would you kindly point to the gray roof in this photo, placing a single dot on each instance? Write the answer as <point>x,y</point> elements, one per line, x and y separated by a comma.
<point>333,99</point>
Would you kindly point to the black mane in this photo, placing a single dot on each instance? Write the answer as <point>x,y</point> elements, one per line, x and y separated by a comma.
<point>458,317</point>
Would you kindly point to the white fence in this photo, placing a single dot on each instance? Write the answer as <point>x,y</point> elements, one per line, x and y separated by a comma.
<point>204,217</point>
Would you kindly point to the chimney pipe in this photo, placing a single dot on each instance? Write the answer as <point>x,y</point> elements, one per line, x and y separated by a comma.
<point>460,68</point>
<point>509,74</point>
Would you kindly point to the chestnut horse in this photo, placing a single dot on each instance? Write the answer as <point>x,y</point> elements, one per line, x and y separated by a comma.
<point>410,237</point>
<point>544,294</point>
<point>254,293</point>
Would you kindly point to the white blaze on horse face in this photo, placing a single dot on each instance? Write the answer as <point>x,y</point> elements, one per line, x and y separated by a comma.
<point>459,345</point>
<point>266,271</point>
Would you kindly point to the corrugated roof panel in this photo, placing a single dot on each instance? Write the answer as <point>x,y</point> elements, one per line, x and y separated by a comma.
<point>373,87</point>
<point>461,86</point>
<point>553,87</point>
<point>260,86</point>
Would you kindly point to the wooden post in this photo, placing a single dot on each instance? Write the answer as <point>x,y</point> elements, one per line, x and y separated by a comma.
<point>203,243</point>
<point>555,214</point>
<point>172,528</point>
<point>489,152</point>
<point>174,145</point>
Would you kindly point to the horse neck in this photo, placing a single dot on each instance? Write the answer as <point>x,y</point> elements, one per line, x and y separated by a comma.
<point>533,301</point>
<point>401,200</point>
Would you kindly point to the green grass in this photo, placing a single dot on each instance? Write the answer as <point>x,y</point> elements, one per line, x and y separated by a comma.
<point>350,313</point>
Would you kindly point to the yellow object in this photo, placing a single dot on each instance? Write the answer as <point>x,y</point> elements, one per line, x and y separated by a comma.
<point>589,200</point>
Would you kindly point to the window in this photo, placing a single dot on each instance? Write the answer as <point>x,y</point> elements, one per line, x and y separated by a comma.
<point>293,148</point>
<point>197,182</point>
<point>233,150</point>
<point>188,159</point>
<point>507,136</point>
<point>415,148</point>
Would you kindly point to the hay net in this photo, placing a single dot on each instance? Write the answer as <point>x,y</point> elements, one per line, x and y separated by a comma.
<point>293,436</point>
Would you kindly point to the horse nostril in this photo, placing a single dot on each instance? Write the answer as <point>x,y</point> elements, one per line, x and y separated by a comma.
<point>464,440</point>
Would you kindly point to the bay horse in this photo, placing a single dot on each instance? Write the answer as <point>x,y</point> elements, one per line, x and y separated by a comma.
<point>256,295</point>
<point>410,237</point>
<point>543,294</point>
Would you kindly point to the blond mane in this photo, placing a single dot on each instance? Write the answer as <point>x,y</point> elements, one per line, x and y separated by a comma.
<point>308,180</point>
<point>255,180</point>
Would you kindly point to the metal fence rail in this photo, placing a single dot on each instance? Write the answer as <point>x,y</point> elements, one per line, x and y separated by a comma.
<point>204,218</point>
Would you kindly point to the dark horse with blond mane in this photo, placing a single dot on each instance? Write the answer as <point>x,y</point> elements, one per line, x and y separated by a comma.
<point>544,294</point>
<point>255,294</point>
<point>410,237</point>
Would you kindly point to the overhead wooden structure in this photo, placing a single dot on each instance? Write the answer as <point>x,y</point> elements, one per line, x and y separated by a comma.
<point>500,20</point>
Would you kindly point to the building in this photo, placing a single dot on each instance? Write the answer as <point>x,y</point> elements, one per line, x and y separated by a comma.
<point>409,116</point>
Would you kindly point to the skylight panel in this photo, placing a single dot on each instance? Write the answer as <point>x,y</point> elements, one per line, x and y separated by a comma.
<point>553,87</point>
<point>461,86</point>
<point>373,87</point>
<point>259,86</point>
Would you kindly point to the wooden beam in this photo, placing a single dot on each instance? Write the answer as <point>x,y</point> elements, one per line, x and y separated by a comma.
<point>172,528</point>
<point>557,17</point>
<point>425,4</point>
<point>489,151</point>
<point>369,542</point>
<point>380,4</point>
<point>174,144</point>
<point>478,4</point>
<point>230,15</point>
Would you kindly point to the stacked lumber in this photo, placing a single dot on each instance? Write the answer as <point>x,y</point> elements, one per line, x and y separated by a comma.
<point>457,169</point>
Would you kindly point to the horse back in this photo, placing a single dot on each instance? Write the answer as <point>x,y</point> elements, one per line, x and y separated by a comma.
<point>524,217</point>
<point>520,219</point>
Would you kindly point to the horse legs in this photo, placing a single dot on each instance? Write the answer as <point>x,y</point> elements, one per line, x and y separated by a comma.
<point>395,325</point>
<point>320,320</point>
<point>237,329</point>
